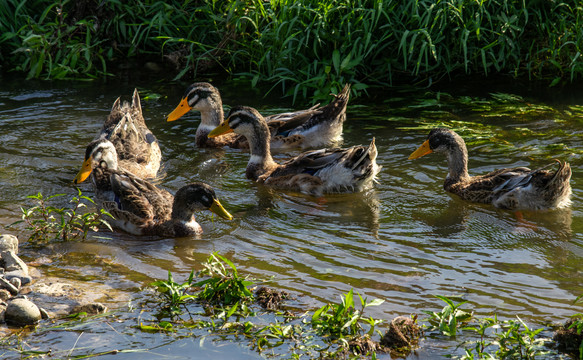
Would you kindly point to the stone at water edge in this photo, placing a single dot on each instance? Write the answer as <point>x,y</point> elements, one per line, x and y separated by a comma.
<point>24,278</point>
<point>12,262</point>
<point>5,284</point>
<point>8,243</point>
<point>4,295</point>
<point>16,282</point>
<point>22,312</point>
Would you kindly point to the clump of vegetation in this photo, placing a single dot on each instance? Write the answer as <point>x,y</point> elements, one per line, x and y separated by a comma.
<point>307,48</point>
<point>47,222</point>
<point>174,294</point>
<point>224,285</point>
<point>343,319</point>
<point>403,334</point>
<point>569,337</point>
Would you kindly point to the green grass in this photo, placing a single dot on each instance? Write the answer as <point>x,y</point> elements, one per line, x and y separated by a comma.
<point>304,48</point>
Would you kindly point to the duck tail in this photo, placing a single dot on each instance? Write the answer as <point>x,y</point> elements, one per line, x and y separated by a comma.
<point>558,189</point>
<point>337,107</point>
<point>370,152</point>
<point>562,176</point>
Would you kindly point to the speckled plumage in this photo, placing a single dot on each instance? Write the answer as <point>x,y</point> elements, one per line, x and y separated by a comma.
<point>313,172</point>
<point>138,206</point>
<point>511,188</point>
<point>137,148</point>
<point>313,127</point>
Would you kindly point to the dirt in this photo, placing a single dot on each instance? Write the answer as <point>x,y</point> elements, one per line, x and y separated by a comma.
<point>403,334</point>
<point>568,341</point>
<point>270,298</point>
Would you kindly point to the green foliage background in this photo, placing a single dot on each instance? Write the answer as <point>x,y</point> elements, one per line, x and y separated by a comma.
<point>307,48</point>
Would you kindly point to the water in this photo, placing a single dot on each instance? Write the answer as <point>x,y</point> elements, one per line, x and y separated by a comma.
<point>404,241</point>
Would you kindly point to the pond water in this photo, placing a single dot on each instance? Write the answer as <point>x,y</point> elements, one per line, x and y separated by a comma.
<point>404,241</point>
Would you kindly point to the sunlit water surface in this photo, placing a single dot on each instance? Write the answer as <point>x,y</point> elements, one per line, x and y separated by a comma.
<point>404,241</point>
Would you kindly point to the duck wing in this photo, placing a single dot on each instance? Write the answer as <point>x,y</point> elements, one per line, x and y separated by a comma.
<point>282,124</point>
<point>140,197</point>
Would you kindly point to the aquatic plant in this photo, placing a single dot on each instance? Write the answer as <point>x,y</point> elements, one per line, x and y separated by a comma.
<point>174,294</point>
<point>341,319</point>
<point>224,285</point>
<point>48,222</point>
<point>450,318</point>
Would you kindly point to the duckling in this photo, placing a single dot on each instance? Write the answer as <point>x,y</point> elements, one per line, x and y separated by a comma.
<point>313,172</point>
<point>514,189</point>
<point>139,207</point>
<point>313,127</point>
<point>137,148</point>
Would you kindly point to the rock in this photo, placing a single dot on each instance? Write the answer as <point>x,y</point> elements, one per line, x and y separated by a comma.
<point>13,262</point>
<point>5,284</point>
<point>44,314</point>
<point>21,312</point>
<point>24,278</point>
<point>2,312</point>
<point>4,295</point>
<point>8,243</point>
<point>16,282</point>
<point>90,309</point>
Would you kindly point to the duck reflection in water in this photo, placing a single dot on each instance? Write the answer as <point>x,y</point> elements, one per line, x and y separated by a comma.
<point>454,217</point>
<point>335,210</point>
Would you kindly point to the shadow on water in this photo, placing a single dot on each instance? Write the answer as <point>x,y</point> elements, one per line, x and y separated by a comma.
<point>404,241</point>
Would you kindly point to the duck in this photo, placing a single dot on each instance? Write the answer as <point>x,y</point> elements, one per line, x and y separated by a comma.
<point>518,188</point>
<point>137,148</point>
<point>313,172</point>
<point>314,127</point>
<point>139,207</point>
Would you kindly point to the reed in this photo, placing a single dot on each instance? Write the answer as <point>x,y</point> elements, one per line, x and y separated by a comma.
<point>304,48</point>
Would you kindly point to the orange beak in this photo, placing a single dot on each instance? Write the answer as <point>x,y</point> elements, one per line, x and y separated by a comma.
<point>423,150</point>
<point>84,172</point>
<point>180,110</point>
<point>222,129</point>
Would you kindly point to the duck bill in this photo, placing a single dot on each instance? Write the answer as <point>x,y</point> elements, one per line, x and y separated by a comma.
<point>84,172</point>
<point>222,129</point>
<point>423,150</point>
<point>180,110</point>
<point>218,209</point>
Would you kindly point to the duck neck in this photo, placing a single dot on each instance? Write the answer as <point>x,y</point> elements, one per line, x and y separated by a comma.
<point>259,147</point>
<point>457,159</point>
<point>210,118</point>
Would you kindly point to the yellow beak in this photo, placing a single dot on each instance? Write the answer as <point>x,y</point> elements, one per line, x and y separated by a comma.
<point>423,150</point>
<point>218,209</point>
<point>84,172</point>
<point>222,129</point>
<point>180,110</point>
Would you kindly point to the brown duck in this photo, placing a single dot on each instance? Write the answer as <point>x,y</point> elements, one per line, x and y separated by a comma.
<point>137,148</point>
<point>139,207</point>
<point>514,188</point>
<point>313,172</point>
<point>313,127</point>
